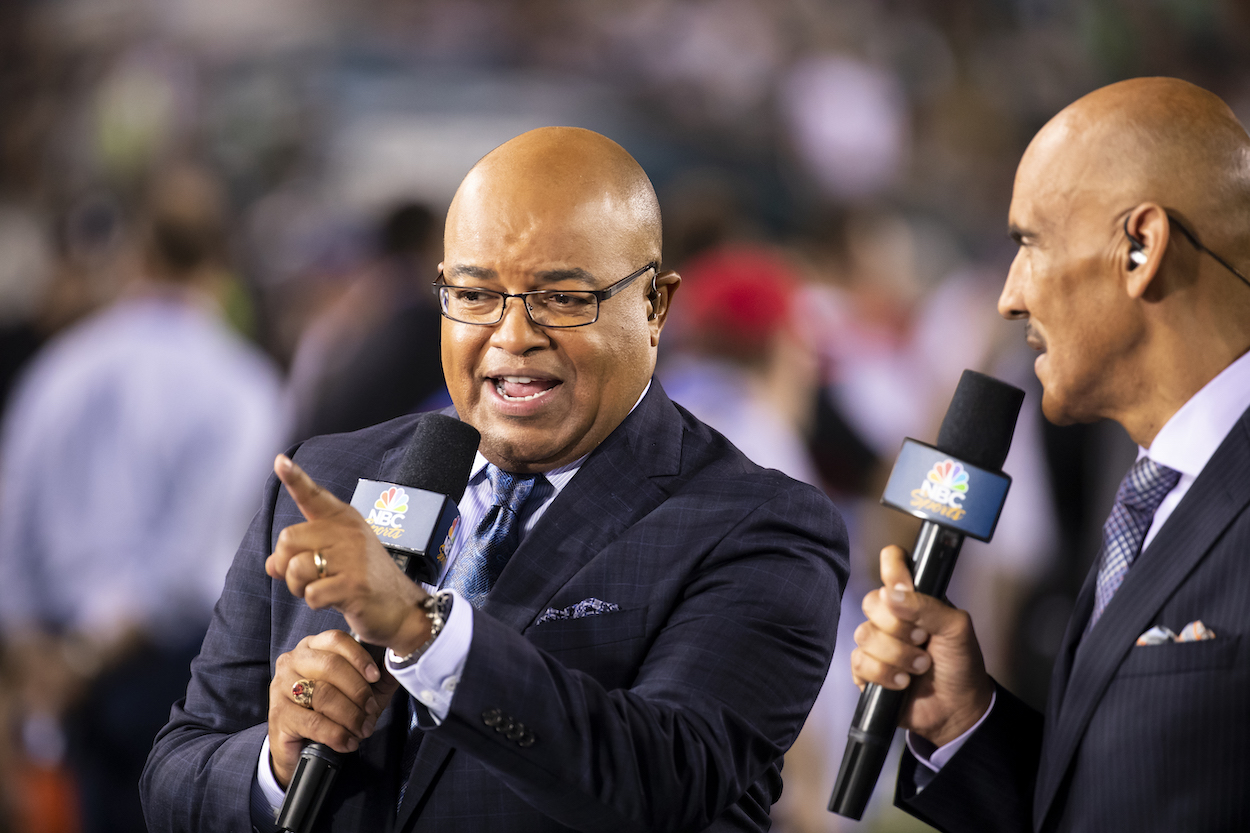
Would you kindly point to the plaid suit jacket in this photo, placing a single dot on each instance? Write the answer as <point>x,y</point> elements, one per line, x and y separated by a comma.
<point>670,712</point>
<point>1135,738</point>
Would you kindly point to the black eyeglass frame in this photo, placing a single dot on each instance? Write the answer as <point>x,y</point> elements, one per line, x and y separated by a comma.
<point>1193,239</point>
<point>600,295</point>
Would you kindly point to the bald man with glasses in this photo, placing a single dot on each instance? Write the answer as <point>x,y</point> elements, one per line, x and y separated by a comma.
<point>633,620</point>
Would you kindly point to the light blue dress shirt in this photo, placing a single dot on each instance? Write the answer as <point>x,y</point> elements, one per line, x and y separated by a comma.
<point>129,464</point>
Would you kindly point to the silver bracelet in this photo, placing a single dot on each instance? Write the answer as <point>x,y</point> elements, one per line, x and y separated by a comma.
<point>437,607</point>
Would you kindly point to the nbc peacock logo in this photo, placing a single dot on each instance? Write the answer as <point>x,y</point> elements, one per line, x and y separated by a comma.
<point>394,499</point>
<point>943,489</point>
<point>388,511</point>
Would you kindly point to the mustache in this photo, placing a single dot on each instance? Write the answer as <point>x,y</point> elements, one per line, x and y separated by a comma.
<point>1033,338</point>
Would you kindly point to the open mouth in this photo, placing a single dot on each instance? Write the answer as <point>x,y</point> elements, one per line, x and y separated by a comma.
<point>522,388</point>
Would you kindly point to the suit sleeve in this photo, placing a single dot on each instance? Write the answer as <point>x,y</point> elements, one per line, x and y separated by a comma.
<point>200,771</point>
<point>988,785</point>
<point>722,690</point>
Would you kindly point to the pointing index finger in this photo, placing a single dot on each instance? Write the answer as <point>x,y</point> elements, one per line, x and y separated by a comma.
<point>313,501</point>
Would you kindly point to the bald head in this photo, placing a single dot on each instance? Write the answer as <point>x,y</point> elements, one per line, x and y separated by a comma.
<point>1130,316</point>
<point>1151,139</point>
<point>565,219</point>
<point>565,172</point>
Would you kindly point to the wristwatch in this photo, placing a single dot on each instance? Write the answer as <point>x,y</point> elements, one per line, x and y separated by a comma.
<point>437,607</point>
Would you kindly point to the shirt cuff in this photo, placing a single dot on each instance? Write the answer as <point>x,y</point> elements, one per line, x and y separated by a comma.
<point>937,757</point>
<point>432,679</point>
<point>267,783</point>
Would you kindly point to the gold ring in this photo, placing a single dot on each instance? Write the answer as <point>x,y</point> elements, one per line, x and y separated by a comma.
<point>320,561</point>
<point>302,692</point>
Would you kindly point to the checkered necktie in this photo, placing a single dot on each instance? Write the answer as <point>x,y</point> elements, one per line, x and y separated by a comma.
<point>484,555</point>
<point>1142,490</point>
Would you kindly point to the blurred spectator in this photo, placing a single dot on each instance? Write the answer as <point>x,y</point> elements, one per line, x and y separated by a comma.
<point>25,272</point>
<point>373,355</point>
<point>131,454</point>
<point>740,367</point>
<point>848,124</point>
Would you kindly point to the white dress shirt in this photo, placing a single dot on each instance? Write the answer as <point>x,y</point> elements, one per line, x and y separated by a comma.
<point>1188,440</point>
<point>1185,443</point>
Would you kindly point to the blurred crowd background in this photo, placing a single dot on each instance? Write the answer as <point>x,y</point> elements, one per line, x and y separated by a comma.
<point>219,221</point>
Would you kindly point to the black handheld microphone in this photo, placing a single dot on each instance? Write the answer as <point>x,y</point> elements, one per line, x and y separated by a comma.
<point>414,515</point>
<point>413,518</point>
<point>958,488</point>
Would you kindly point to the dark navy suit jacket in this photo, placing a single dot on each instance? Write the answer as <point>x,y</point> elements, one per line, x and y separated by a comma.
<point>671,713</point>
<point>1136,738</point>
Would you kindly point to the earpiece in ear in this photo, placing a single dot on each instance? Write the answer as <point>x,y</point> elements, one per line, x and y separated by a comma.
<point>1136,249</point>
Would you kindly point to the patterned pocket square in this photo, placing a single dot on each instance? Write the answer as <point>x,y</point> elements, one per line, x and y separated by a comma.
<point>584,608</point>
<point>1195,631</point>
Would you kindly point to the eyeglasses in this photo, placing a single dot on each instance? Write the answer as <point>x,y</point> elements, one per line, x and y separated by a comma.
<point>545,307</point>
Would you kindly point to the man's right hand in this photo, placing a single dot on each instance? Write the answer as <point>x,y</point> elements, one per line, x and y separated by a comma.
<point>953,690</point>
<point>349,693</point>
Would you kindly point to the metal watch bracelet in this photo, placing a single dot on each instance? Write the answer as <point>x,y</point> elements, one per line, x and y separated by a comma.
<point>437,607</point>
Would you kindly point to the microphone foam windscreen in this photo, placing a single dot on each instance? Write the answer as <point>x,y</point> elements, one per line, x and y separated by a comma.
<point>979,423</point>
<point>439,457</point>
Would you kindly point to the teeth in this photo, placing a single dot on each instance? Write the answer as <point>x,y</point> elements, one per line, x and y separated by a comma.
<point>520,380</point>
<point>499,389</point>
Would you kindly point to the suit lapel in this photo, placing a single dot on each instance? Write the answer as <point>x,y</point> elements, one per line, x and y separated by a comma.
<point>1081,612</point>
<point>378,756</point>
<point>1219,493</point>
<point>432,757</point>
<point>612,491</point>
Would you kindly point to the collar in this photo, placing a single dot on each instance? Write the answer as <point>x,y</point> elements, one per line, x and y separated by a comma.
<point>556,477</point>
<point>1187,440</point>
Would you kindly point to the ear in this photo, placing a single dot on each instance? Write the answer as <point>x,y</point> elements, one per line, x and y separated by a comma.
<point>659,301</point>
<point>1147,233</point>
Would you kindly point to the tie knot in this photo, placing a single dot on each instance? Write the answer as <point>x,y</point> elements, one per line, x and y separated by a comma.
<point>509,489</point>
<point>1146,484</point>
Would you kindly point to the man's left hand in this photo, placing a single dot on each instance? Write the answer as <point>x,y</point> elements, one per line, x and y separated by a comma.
<point>358,578</point>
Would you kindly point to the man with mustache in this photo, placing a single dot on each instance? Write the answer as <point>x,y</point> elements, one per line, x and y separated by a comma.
<point>1132,212</point>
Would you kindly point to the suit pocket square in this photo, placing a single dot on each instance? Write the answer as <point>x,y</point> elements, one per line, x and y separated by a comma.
<point>1195,631</point>
<point>584,608</point>
<point>1206,655</point>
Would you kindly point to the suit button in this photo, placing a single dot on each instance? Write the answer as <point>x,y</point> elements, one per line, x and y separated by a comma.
<point>527,739</point>
<point>492,717</point>
<point>515,732</point>
<point>504,725</point>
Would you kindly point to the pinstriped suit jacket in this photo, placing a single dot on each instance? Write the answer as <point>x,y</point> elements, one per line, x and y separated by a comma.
<point>669,713</point>
<point>1136,738</point>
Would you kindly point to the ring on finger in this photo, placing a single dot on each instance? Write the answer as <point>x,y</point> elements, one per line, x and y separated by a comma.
<point>320,561</point>
<point>302,692</point>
